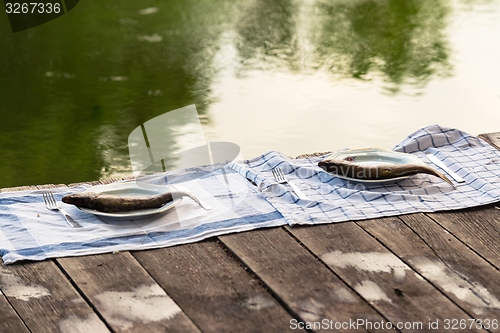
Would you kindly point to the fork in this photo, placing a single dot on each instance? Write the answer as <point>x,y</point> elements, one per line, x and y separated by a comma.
<point>51,204</point>
<point>280,178</point>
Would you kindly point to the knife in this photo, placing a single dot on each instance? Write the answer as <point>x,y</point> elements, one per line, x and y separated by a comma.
<point>440,164</point>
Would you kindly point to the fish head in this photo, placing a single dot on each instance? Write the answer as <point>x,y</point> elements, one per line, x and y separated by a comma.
<point>72,199</point>
<point>78,199</point>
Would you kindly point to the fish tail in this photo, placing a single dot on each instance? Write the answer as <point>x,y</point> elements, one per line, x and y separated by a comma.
<point>446,179</point>
<point>440,175</point>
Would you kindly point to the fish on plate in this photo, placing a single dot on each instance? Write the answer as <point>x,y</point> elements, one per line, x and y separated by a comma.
<point>348,168</point>
<point>110,203</point>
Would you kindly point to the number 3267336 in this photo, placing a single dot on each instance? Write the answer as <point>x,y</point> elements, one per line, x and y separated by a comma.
<point>32,8</point>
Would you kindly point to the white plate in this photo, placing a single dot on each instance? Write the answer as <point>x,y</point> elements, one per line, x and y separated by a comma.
<point>374,157</point>
<point>131,189</point>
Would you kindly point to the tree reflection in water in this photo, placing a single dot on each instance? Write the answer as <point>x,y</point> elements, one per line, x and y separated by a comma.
<point>402,41</point>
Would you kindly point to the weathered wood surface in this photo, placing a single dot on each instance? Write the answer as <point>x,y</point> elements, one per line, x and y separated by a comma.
<point>46,300</point>
<point>308,288</point>
<point>215,289</point>
<point>380,276</point>
<point>125,295</point>
<point>417,270</point>
<point>492,138</point>
<point>441,259</point>
<point>10,320</point>
<point>479,228</point>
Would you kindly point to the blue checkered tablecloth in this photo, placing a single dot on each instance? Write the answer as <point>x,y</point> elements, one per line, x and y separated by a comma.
<point>333,199</point>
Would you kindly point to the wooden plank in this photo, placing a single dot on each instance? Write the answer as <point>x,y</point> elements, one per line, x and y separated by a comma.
<point>492,138</point>
<point>479,228</point>
<point>384,280</point>
<point>215,291</point>
<point>125,294</point>
<point>15,189</point>
<point>45,299</point>
<point>9,320</point>
<point>42,296</point>
<point>311,291</point>
<point>467,279</point>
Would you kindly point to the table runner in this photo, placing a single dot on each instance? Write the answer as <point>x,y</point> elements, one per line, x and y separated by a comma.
<point>336,200</point>
<point>29,231</point>
<point>245,196</point>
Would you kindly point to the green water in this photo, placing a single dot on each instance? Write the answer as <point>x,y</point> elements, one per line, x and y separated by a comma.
<point>293,76</point>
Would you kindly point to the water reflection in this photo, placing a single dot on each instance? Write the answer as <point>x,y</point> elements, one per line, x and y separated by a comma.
<point>73,89</point>
<point>267,36</point>
<point>402,41</point>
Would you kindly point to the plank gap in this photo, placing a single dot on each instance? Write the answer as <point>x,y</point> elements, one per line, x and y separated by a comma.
<point>255,276</point>
<point>82,294</point>
<point>414,269</point>
<point>139,262</point>
<point>478,253</point>
<point>289,231</point>
<point>7,300</point>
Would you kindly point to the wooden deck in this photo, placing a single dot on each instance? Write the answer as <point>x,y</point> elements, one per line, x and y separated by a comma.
<point>425,272</point>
